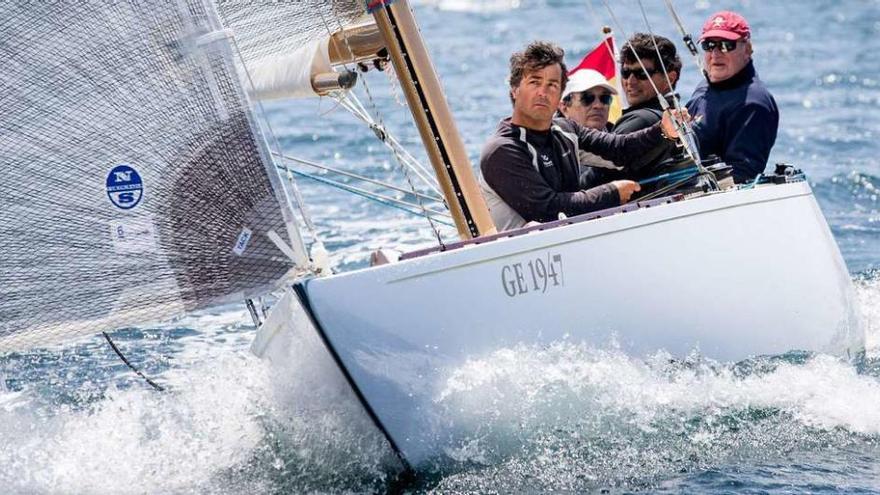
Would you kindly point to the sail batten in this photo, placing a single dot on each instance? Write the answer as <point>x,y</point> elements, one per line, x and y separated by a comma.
<point>134,184</point>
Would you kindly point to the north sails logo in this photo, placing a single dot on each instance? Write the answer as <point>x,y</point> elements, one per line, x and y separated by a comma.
<point>124,187</point>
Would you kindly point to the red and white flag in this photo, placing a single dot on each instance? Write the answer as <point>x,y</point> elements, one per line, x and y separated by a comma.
<point>603,60</point>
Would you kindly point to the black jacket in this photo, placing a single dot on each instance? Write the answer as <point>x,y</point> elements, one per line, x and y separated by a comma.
<point>638,117</point>
<point>538,175</point>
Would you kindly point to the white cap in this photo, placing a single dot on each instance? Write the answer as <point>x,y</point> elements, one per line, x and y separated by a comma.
<point>585,79</point>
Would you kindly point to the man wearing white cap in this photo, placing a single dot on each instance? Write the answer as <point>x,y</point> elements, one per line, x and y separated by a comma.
<point>735,116</point>
<point>587,99</point>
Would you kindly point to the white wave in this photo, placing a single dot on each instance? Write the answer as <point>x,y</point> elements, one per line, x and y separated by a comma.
<point>571,417</point>
<point>223,426</point>
<point>137,440</point>
<point>868,297</point>
<point>567,383</point>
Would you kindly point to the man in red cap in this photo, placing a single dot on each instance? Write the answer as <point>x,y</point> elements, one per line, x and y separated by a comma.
<point>735,116</point>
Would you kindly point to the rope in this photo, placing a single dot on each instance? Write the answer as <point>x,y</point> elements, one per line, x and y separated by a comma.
<point>670,175</point>
<point>751,185</point>
<point>673,186</point>
<point>131,366</point>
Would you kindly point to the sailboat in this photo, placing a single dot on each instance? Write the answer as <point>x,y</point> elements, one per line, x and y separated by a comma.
<point>137,184</point>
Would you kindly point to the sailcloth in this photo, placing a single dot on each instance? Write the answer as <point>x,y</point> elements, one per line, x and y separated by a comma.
<point>134,184</point>
<point>283,44</point>
<point>602,60</point>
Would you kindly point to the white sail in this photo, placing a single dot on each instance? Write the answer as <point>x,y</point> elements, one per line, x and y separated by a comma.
<point>284,44</point>
<point>290,76</point>
<point>133,183</point>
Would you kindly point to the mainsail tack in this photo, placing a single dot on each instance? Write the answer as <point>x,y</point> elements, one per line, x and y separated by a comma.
<point>135,185</point>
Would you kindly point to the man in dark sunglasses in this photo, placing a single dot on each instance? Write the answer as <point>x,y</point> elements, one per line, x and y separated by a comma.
<point>637,76</point>
<point>735,116</point>
<point>587,99</point>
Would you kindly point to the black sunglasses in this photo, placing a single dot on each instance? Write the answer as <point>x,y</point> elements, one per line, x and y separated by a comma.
<point>588,98</point>
<point>640,74</point>
<point>724,45</point>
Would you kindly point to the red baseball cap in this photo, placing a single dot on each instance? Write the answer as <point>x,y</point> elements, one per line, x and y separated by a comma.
<point>726,25</point>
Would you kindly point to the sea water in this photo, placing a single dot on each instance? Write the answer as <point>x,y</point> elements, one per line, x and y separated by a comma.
<point>567,417</point>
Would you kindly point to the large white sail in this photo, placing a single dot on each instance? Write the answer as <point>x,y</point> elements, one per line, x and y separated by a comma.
<point>133,183</point>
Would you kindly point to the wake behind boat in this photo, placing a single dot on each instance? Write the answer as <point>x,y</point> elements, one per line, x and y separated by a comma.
<point>172,203</point>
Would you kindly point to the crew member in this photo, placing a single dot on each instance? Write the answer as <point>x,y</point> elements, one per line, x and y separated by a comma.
<point>587,99</point>
<point>644,108</point>
<point>529,166</point>
<point>735,116</point>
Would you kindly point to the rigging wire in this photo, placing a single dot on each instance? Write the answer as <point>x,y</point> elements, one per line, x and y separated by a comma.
<point>381,125</point>
<point>357,176</point>
<point>688,136</point>
<point>350,102</point>
<point>675,100</point>
<point>365,193</point>
<point>687,38</point>
<point>379,198</point>
<point>685,132</point>
<point>153,384</point>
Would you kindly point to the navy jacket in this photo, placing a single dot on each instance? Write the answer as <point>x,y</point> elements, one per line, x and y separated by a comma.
<point>737,120</point>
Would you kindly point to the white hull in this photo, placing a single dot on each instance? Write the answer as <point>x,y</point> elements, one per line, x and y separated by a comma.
<point>732,275</point>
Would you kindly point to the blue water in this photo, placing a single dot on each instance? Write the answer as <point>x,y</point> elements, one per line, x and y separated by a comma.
<point>564,418</point>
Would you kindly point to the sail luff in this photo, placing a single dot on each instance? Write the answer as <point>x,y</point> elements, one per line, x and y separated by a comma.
<point>294,235</point>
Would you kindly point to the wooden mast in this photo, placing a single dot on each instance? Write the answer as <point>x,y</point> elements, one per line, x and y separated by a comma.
<point>433,118</point>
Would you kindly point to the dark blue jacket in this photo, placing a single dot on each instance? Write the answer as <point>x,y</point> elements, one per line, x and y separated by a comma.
<point>736,119</point>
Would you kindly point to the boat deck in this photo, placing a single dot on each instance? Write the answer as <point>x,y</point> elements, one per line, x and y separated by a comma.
<point>586,217</point>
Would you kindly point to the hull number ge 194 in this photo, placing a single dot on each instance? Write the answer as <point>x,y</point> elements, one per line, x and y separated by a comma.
<point>537,275</point>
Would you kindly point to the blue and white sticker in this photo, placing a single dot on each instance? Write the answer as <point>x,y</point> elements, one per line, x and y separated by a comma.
<point>124,187</point>
<point>242,242</point>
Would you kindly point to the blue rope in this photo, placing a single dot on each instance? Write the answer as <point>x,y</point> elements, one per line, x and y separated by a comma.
<point>756,181</point>
<point>670,175</point>
<point>359,193</point>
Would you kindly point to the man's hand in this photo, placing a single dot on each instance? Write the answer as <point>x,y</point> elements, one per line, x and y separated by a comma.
<point>625,189</point>
<point>669,129</point>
